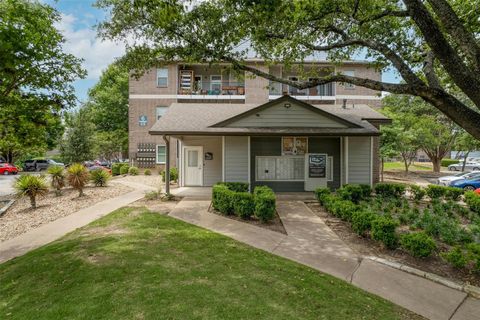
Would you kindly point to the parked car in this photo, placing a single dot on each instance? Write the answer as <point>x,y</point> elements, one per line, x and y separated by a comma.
<point>96,167</point>
<point>469,166</point>
<point>7,168</point>
<point>40,164</point>
<point>447,180</point>
<point>467,184</point>
<point>477,191</point>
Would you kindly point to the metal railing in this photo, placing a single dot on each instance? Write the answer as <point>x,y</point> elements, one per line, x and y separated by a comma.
<point>210,88</point>
<point>324,90</point>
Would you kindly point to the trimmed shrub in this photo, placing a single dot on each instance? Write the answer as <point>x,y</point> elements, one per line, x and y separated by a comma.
<point>473,201</point>
<point>57,178</point>
<point>173,174</point>
<point>147,172</point>
<point>99,177</point>
<point>456,257</point>
<point>243,204</point>
<point>236,186</point>
<point>447,162</point>
<point>418,244</point>
<point>78,176</point>
<point>222,199</point>
<point>343,209</point>
<point>436,192</point>
<point>354,192</point>
<point>124,169</point>
<point>117,166</point>
<point>452,193</point>
<point>383,229</point>
<point>265,203</point>
<point>390,190</point>
<point>417,192</point>
<point>320,193</point>
<point>362,221</point>
<point>152,195</point>
<point>133,171</point>
<point>328,201</point>
<point>31,186</point>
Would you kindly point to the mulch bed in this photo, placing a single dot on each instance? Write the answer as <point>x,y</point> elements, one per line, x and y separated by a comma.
<point>366,246</point>
<point>274,225</point>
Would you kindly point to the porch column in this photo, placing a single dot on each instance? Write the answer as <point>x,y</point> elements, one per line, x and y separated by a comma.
<point>167,164</point>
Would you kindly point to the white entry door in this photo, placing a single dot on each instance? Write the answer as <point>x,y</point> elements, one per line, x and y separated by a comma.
<point>193,165</point>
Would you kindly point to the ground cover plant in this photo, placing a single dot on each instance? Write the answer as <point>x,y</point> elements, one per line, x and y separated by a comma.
<point>421,221</point>
<point>136,264</point>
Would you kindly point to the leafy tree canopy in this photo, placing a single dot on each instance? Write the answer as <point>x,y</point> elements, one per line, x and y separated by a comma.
<point>433,44</point>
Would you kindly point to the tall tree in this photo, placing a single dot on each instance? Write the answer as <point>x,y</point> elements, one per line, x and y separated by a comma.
<point>107,107</point>
<point>36,77</point>
<point>78,144</point>
<point>424,41</point>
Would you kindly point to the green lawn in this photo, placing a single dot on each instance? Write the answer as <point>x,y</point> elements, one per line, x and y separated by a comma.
<point>400,166</point>
<point>135,264</point>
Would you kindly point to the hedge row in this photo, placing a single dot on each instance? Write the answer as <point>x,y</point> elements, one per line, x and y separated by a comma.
<point>447,162</point>
<point>234,198</point>
<point>473,201</point>
<point>117,168</point>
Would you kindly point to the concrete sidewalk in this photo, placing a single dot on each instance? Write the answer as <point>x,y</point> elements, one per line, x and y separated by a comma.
<point>51,231</point>
<point>312,243</point>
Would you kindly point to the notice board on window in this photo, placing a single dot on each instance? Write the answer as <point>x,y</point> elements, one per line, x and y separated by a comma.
<point>317,165</point>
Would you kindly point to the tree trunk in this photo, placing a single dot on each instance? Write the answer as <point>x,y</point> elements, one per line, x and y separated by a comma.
<point>80,192</point>
<point>436,164</point>
<point>383,168</point>
<point>405,162</point>
<point>465,160</point>
<point>33,202</point>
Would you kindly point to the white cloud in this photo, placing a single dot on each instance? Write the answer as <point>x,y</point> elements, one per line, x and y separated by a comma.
<point>83,43</point>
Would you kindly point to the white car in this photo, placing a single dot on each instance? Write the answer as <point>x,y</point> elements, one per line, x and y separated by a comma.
<point>469,166</point>
<point>447,180</point>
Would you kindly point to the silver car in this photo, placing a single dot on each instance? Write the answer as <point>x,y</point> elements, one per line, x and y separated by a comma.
<point>469,166</point>
<point>447,180</point>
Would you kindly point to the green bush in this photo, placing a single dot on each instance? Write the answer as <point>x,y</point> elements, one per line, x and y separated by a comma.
<point>473,201</point>
<point>320,193</point>
<point>265,203</point>
<point>99,177</point>
<point>456,257</point>
<point>343,209</point>
<point>436,192</point>
<point>243,204</point>
<point>124,169</point>
<point>173,174</point>
<point>236,186</point>
<point>328,201</point>
<point>362,221</point>
<point>417,192</point>
<point>116,168</point>
<point>418,244</point>
<point>133,171</point>
<point>390,190</point>
<point>452,193</point>
<point>383,229</point>
<point>152,195</point>
<point>354,192</point>
<point>222,199</point>
<point>447,162</point>
<point>147,172</point>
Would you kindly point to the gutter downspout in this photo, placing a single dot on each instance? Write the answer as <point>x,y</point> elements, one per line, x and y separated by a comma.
<point>167,164</point>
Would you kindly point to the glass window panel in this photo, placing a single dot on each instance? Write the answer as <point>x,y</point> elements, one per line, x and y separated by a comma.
<point>192,158</point>
<point>161,111</point>
<point>162,77</point>
<point>161,154</point>
<point>349,73</point>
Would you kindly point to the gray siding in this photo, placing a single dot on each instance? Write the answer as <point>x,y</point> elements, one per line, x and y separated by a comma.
<point>359,158</point>
<point>236,159</point>
<point>212,169</point>
<point>279,116</point>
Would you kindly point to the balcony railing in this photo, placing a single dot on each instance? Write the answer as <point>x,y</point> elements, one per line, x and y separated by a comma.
<point>213,88</point>
<point>324,90</point>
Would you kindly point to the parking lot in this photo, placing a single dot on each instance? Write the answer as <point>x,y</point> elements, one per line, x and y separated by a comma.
<point>6,185</point>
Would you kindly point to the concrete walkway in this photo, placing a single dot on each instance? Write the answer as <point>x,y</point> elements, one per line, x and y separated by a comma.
<point>51,231</point>
<point>312,243</point>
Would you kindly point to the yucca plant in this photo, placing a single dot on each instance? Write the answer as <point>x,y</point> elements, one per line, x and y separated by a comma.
<point>57,176</point>
<point>77,177</point>
<point>99,177</point>
<point>31,186</point>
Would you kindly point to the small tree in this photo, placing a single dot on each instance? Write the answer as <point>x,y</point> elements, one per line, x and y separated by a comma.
<point>78,177</point>
<point>466,142</point>
<point>78,144</point>
<point>32,187</point>
<point>57,177</point>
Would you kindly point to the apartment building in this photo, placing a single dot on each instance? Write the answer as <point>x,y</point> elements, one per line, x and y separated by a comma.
<point>224,127</point>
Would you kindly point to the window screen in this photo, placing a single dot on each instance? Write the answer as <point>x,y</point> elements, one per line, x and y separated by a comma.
<point>161,154</point>
<point>162,77</point>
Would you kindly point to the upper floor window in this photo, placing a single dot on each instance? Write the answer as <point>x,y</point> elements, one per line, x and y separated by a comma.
<point>216,83</point>
<point>294,91</point>
<point>142,121</point>
<point>160,111</point>
<point>349,73</point>
<point>162,77</point>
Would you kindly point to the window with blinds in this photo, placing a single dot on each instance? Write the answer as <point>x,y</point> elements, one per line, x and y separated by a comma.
<point>280,168</point>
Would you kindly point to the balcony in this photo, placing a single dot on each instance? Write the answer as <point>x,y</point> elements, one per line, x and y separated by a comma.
<point>321,92</point>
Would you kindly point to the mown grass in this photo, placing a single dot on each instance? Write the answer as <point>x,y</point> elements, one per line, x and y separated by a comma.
<point>136,264</point>
<point>413,167</point>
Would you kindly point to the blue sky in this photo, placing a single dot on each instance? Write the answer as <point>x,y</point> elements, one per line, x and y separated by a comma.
<point>78,22</point>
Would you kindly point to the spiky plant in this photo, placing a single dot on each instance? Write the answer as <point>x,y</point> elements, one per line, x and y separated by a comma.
<point>99,177</point>
<point>57,176</point>
<point>31,186</point>
<point>77,177</point>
